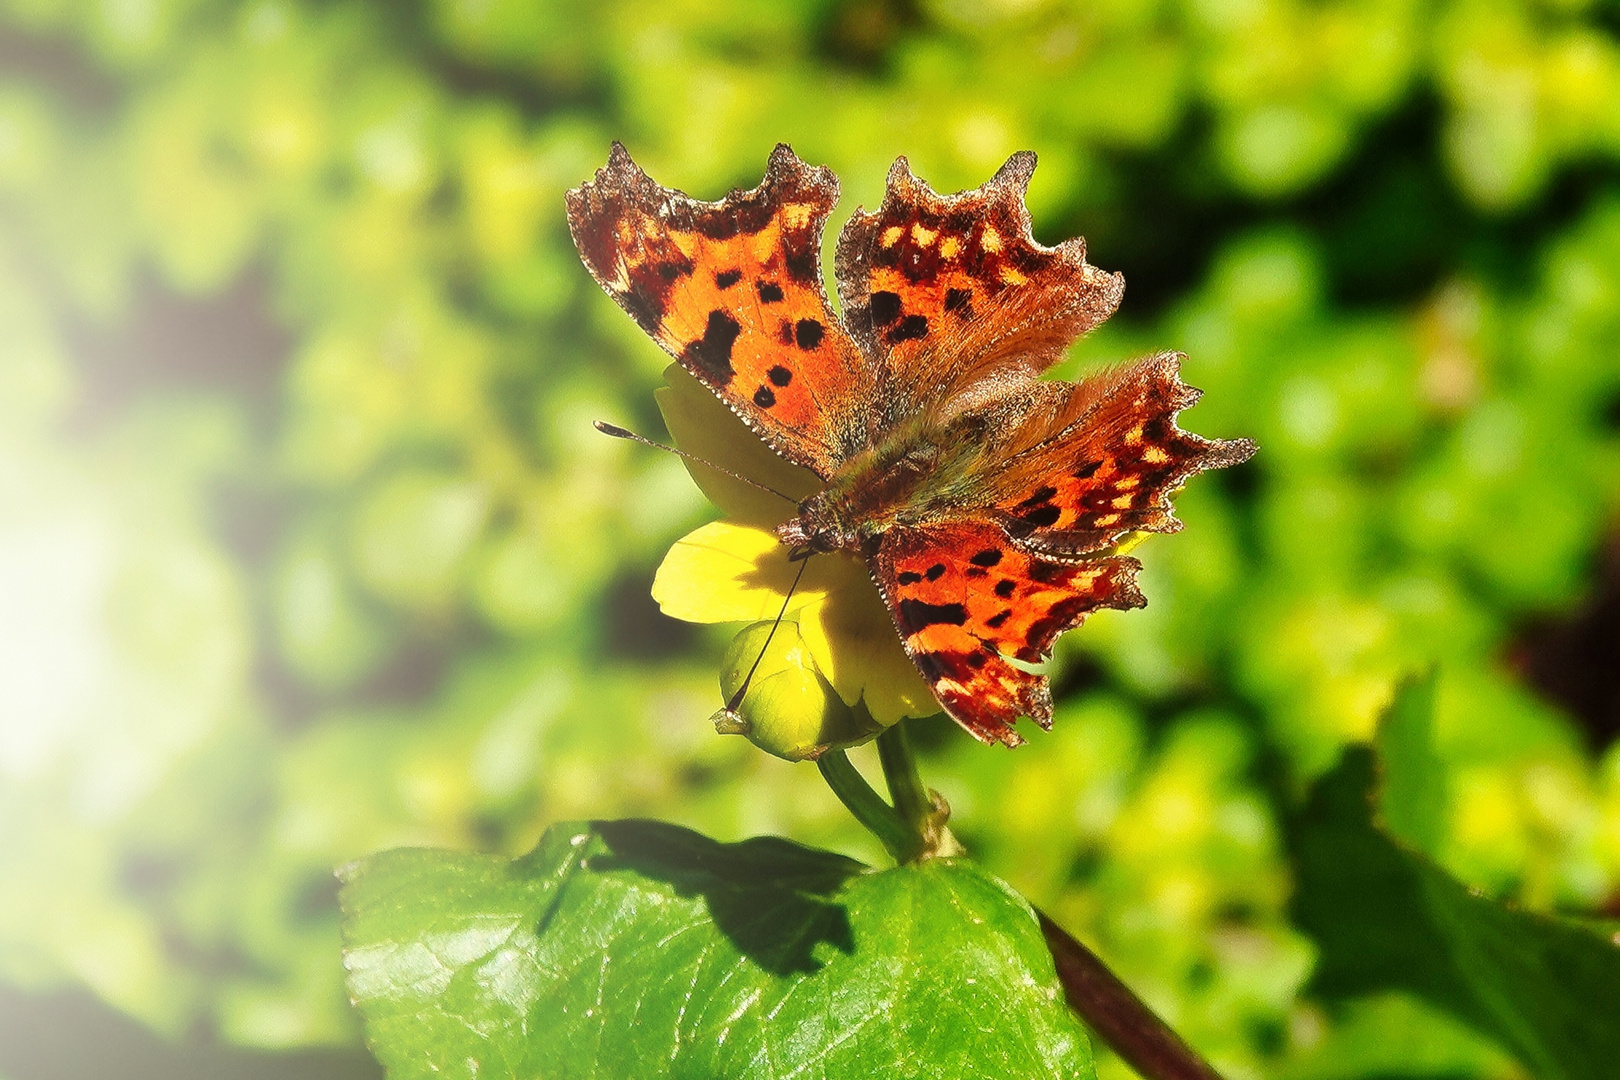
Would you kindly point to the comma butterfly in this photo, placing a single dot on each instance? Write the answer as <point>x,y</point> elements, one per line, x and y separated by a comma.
<point>987,502</point>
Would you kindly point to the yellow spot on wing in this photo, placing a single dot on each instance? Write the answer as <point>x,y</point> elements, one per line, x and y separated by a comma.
<point>797,215</point>
<point>1133,436</point>
<point>890,235</point>
<point>1108,519</point>
<point>1011,276</point>
<point>950,246</point>
<point>1154,455</point>
<point>923,236</point>
<point>1128,483</point>
<point>1123,502</point>
<point>989,239</point>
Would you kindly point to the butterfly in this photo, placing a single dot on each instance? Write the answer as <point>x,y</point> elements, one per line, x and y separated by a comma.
<point>987,502</point>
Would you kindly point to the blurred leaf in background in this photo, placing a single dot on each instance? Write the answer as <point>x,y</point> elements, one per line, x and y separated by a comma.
<point>307,549</point>
<point>1386,918</point>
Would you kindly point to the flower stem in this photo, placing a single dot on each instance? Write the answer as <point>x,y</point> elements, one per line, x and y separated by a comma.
<point>1118,1016</point>
<point>901,841</point>
<point>900,773</point>
<point>924,811</point>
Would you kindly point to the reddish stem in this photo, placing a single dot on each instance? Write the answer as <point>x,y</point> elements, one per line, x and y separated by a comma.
<point>1118,1016</point>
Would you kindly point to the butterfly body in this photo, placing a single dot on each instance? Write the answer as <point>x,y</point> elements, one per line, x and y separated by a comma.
<point>905,480</point>
<point>987,502</point>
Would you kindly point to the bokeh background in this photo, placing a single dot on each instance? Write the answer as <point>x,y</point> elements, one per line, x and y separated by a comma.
<point>307,548</point>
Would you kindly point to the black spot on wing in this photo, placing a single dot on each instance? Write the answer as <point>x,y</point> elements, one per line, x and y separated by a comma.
<point>914,615</point>
<point>958,302</point>
<point>725,279</point>
<point>780,375</point>
<point>801,264</point>
<point>769,291</point>
<point>909,328</point>
<point>710,355</point>
<point>809,333</point>
<point>987,557</point>
<point>995,621</point>
<point>1088,470</point>
<point>764,398</point>
<point>1042,495</point>
<point>885,308</point>
<point>908,577</point>
<point>1044,516</point>
<point>935,572</point>
<point>671,270</point>
<point>1005,587</point>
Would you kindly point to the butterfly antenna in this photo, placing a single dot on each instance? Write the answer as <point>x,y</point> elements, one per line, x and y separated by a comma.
<point>727,719</point>
<point>620,433</point>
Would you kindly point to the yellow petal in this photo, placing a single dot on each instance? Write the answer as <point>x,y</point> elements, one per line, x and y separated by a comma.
<point>700,424</point>
<point>725,572</point>
<point>853,640</point>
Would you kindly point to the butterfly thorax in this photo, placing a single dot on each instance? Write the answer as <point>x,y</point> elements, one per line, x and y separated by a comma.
<point>906,478</point>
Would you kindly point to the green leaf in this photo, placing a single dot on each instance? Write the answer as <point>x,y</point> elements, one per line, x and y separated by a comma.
<point>1396,1035</point>
<point>641,949</point>
<point>1385,917</point>
<point>1413,799</point>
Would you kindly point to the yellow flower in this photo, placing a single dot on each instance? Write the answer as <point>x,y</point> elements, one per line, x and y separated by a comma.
<point>735,570</point>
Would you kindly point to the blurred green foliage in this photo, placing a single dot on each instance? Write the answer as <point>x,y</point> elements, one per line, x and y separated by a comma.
<point>307,548</point>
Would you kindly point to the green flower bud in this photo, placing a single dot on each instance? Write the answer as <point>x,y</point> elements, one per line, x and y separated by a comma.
<point>789,709</point>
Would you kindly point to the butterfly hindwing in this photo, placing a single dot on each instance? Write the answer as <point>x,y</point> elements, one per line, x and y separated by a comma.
<point>1101,460</point>
<point>733,290</point>
<point>948,291</point>
<point>965,600</point>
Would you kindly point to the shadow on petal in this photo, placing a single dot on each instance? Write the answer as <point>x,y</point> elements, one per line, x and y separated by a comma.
<point>700,424</point>
<point>853,641</point>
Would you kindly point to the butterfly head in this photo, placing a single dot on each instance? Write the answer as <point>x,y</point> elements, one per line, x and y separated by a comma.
<point>819,527</point>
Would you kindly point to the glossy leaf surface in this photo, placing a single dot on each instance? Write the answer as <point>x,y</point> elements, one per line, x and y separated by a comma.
<point>642,949</point>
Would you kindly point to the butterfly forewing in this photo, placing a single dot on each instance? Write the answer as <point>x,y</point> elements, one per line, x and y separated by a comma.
<point>950,292</point>
<point>733,290</point>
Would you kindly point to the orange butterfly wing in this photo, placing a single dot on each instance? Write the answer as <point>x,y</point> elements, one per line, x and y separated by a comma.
<point>951,291</point>
<point>733,290</point>
<point>965,599</point>
<point>1100,459</point>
